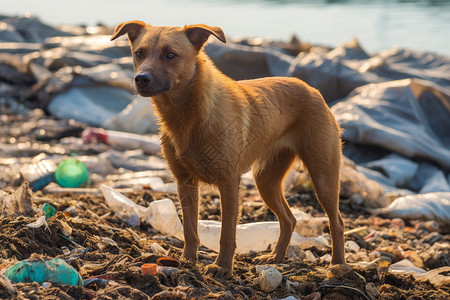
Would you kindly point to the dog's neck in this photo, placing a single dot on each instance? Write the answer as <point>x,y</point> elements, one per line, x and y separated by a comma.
<point>184,106</point>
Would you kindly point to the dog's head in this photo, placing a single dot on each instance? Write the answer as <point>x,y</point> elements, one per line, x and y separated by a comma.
<point>164,58</point>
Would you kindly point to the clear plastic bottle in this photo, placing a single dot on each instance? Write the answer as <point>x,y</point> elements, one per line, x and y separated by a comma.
<point>40,172</point>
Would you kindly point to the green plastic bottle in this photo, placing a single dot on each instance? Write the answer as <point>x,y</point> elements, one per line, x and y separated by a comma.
<point>72,173</point>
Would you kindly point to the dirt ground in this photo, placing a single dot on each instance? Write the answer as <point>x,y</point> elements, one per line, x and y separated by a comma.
<point>120,263</point>
<point>102,246</point>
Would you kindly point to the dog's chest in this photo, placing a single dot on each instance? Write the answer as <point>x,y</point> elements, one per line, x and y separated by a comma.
<point>209,163</point>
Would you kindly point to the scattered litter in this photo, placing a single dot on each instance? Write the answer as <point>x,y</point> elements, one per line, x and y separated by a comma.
<point>122,140</point>
<point>431,206</point>
<point>153,269</point>
<point>40,172</point>
<point>395,133</point>
<point>17,203</point>
<point>383,266</point>
<point>157,249</point>
<point>168,262</point>
<point>437,276</point>
<point>41,270</point>
<point>39,223</point>
<point>72,173</point>
<point>49,210</point>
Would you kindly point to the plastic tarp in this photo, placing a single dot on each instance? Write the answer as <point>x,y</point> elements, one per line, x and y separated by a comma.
<point>393,106</point>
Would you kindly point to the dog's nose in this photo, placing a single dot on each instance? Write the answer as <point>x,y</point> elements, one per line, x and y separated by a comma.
<point>142,78</point>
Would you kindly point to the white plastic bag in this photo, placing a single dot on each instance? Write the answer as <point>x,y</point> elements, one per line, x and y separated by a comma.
<point>430,206</point>
<point>405,266</point>
<point>161,214</point>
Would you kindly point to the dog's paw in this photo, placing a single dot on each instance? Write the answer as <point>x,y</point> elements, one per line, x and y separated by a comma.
<point>271,258</point>
<point>219,272</point>
<point>192,260</point>
<point>339,271</point>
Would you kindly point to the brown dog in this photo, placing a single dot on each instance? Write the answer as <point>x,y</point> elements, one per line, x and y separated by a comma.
<point>214,128</point>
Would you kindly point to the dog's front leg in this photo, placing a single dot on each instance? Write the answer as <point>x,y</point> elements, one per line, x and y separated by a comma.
<point>229,202</point>
<point>188,193</point>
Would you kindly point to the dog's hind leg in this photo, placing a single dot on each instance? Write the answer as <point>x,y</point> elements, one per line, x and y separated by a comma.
<point>269,174</point>
<point>321,154</point>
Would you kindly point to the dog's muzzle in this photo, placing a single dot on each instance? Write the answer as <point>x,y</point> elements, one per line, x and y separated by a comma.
<point>148,86</point>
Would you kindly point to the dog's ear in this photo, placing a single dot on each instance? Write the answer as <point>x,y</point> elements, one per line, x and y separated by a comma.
<point>199,34</point>
<point>133,28</point>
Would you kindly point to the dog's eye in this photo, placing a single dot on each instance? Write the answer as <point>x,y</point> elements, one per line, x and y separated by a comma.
<point>138,54</point>
<point>171,55</point>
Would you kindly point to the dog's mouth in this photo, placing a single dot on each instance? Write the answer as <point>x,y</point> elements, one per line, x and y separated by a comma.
<point>148,86</point>
<point>151,91</point>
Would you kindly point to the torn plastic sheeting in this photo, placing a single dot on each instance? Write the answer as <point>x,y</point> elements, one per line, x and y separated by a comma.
<point>8,34</point>
<point>436,276</point>
<point>430,178</point>
<point>77,58</point>
<point>248,62</point>
<point>95,44</point>
<point>397,169</point>
<point>32,29</point>
<point>92,105</point>
<point>394,116</point>
<point>431,206</point>
<point>330,76</point>
<point>137,117</point>
<point>18,203</point>
<point>404,63</point>
<point>19,48</point>
<point>110,74</point>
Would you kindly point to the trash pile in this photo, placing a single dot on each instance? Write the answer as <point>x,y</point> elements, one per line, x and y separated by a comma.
<point>88,207</point>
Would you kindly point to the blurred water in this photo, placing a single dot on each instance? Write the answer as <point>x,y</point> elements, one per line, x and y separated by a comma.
<point>378,24</point>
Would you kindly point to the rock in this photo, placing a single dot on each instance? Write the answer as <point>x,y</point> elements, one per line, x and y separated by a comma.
<point>430,226</point>
<point>294,252</point>
<point>372,291</point>
<point>397,223</point>
<point>352,246</point>
<point>339,271</point>
<point>306,288</point>
<point>269,279</point>
<point>310,257</point>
